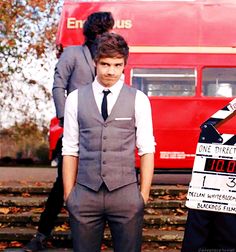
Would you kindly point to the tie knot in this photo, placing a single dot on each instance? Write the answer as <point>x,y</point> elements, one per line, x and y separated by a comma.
<point>106,92</point>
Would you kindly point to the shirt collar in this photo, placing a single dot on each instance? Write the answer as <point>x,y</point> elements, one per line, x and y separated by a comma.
<point>114,89</point>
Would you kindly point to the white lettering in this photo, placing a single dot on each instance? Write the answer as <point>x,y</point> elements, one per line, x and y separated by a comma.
<point>123,24</point>
<point>73,23</point>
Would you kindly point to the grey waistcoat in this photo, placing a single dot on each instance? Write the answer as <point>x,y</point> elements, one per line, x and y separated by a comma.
<point>106,148</point>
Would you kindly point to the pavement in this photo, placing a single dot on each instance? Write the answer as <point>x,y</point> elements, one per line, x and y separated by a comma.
<point>48,174</point>
<point>34,174</point>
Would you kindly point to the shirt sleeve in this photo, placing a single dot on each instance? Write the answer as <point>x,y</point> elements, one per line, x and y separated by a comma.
<point>70,140</point>
<point>145,141</point>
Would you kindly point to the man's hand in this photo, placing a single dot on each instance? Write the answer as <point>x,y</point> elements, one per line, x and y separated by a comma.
<point>145,198</point>
<point>146,174</point>
<point>66,195</point>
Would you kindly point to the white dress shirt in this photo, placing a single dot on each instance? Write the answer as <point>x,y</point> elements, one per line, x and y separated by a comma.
<point>145,142</point>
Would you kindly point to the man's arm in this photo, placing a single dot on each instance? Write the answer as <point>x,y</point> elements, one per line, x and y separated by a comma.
<point>69,173</point>
<point>62,74</point>
<point>146,174</point>
<point>70,144</point>
<point>145,142</point>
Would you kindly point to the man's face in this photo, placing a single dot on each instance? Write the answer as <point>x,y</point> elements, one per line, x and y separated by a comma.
<point>109,70</point>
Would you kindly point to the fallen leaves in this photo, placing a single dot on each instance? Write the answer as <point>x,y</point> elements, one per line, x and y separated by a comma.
<point>3,226</point>
<point>26,195</point>
<point>166,197</point>
<point>13,244</point>
<point>4,210</point>
<point>3,245</point>
<point>163,247</point>
<point>181,196</point>
<point>9,210</point>
<point>63,227</point>
<point>180,211</point>
<point>23,182</point>
<point>39,184</point>
<point>180,228</point>
<point>38,210</point>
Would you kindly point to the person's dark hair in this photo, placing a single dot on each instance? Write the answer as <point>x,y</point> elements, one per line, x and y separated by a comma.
<point>59,50</point>
<point>111,45</point>
<point>96,24</point>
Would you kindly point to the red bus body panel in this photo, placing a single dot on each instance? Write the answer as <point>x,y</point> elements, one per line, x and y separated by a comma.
<point>153,23</point>
<point>162,34</point>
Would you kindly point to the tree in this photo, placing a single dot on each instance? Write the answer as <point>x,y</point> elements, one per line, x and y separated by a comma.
<point>27,36</point>
<point>25,140</point>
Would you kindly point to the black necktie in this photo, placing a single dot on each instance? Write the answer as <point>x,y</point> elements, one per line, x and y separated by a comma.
<point>104,104</point>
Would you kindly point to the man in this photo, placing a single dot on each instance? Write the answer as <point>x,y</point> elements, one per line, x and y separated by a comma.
<point>103,123</point>
<point>209,231</point>
<point>74,69</point>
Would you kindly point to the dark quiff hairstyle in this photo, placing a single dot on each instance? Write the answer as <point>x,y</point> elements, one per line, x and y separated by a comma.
<point>97,23</point>
<point>111,45</point>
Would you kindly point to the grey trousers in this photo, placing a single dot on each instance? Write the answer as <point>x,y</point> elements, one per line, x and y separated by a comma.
<point>122,209</point>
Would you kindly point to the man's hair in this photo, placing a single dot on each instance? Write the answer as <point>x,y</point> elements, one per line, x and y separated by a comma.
<point>111,45</point>
<point>96,24</point>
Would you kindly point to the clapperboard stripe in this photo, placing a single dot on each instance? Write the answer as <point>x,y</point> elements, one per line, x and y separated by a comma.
<point>229,141</point>
<point>226,138</point>
<point>220,115</point>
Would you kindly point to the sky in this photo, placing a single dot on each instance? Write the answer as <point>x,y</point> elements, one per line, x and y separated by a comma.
<point>42,73</point>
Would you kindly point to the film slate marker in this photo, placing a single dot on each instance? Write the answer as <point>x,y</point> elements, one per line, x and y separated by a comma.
<point>213,182</point>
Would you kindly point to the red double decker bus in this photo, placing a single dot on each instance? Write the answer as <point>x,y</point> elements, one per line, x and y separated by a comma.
<point>182,55</point>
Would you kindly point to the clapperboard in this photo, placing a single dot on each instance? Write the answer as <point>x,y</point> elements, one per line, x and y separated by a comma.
<point>213,182</point>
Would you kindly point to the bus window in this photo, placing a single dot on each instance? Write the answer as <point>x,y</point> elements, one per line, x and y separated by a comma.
<point>164,82</point>
<point>219,82</point>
